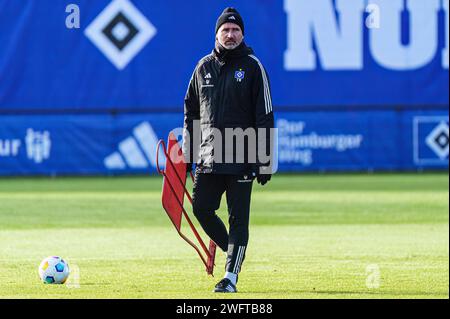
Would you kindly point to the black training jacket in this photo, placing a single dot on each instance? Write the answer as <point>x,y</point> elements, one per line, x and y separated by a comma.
<point>228,90</point>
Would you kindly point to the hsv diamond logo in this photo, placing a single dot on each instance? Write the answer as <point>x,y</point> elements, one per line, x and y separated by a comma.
<point>120,32</point>
<point>431,140</point>
<point>239,75</point>
<point>437,140</point>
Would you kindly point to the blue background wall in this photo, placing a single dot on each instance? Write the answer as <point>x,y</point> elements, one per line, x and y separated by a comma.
<point>66,108</point>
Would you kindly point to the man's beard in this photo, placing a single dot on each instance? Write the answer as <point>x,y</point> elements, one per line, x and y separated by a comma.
<point>230,46</point>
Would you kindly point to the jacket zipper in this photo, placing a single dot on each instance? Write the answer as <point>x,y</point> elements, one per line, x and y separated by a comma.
<point>220,99</point>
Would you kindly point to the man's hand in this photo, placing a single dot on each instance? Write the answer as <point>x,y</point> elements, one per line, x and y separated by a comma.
<point>263,175</point>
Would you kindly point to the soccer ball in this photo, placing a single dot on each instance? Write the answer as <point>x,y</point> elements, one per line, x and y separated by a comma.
<point>54,270</point>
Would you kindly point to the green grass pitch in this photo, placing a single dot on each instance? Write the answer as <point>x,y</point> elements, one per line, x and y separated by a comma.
<point>311,236</point>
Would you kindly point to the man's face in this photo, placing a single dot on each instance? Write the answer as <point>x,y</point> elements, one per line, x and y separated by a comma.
<point>229,35</point>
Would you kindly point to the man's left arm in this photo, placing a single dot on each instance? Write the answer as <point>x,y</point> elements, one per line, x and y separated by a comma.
<point>264,123</point>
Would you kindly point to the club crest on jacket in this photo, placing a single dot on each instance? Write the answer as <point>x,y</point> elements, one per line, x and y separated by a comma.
<point>239,75</point>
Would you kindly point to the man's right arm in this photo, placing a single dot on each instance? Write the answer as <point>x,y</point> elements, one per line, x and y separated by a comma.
<point>191,113</point>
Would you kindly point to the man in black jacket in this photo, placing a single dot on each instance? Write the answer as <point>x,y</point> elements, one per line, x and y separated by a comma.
<point>228,100</point>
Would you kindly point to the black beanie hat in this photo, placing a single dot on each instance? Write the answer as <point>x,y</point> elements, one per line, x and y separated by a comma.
<point>230,15</point>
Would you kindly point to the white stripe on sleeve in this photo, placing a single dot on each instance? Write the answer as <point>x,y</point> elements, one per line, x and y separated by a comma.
<point>267,95</point>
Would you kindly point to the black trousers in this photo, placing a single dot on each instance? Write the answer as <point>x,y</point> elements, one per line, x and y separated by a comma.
<point>206,197</point>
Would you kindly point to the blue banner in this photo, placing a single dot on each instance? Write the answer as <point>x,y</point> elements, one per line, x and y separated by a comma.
<point>307,141</point>
<point>139,55</point>
<point>369,141</point>
<point>82,144</point>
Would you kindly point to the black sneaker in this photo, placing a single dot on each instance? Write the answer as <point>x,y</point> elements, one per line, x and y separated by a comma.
<point>225,285</point>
